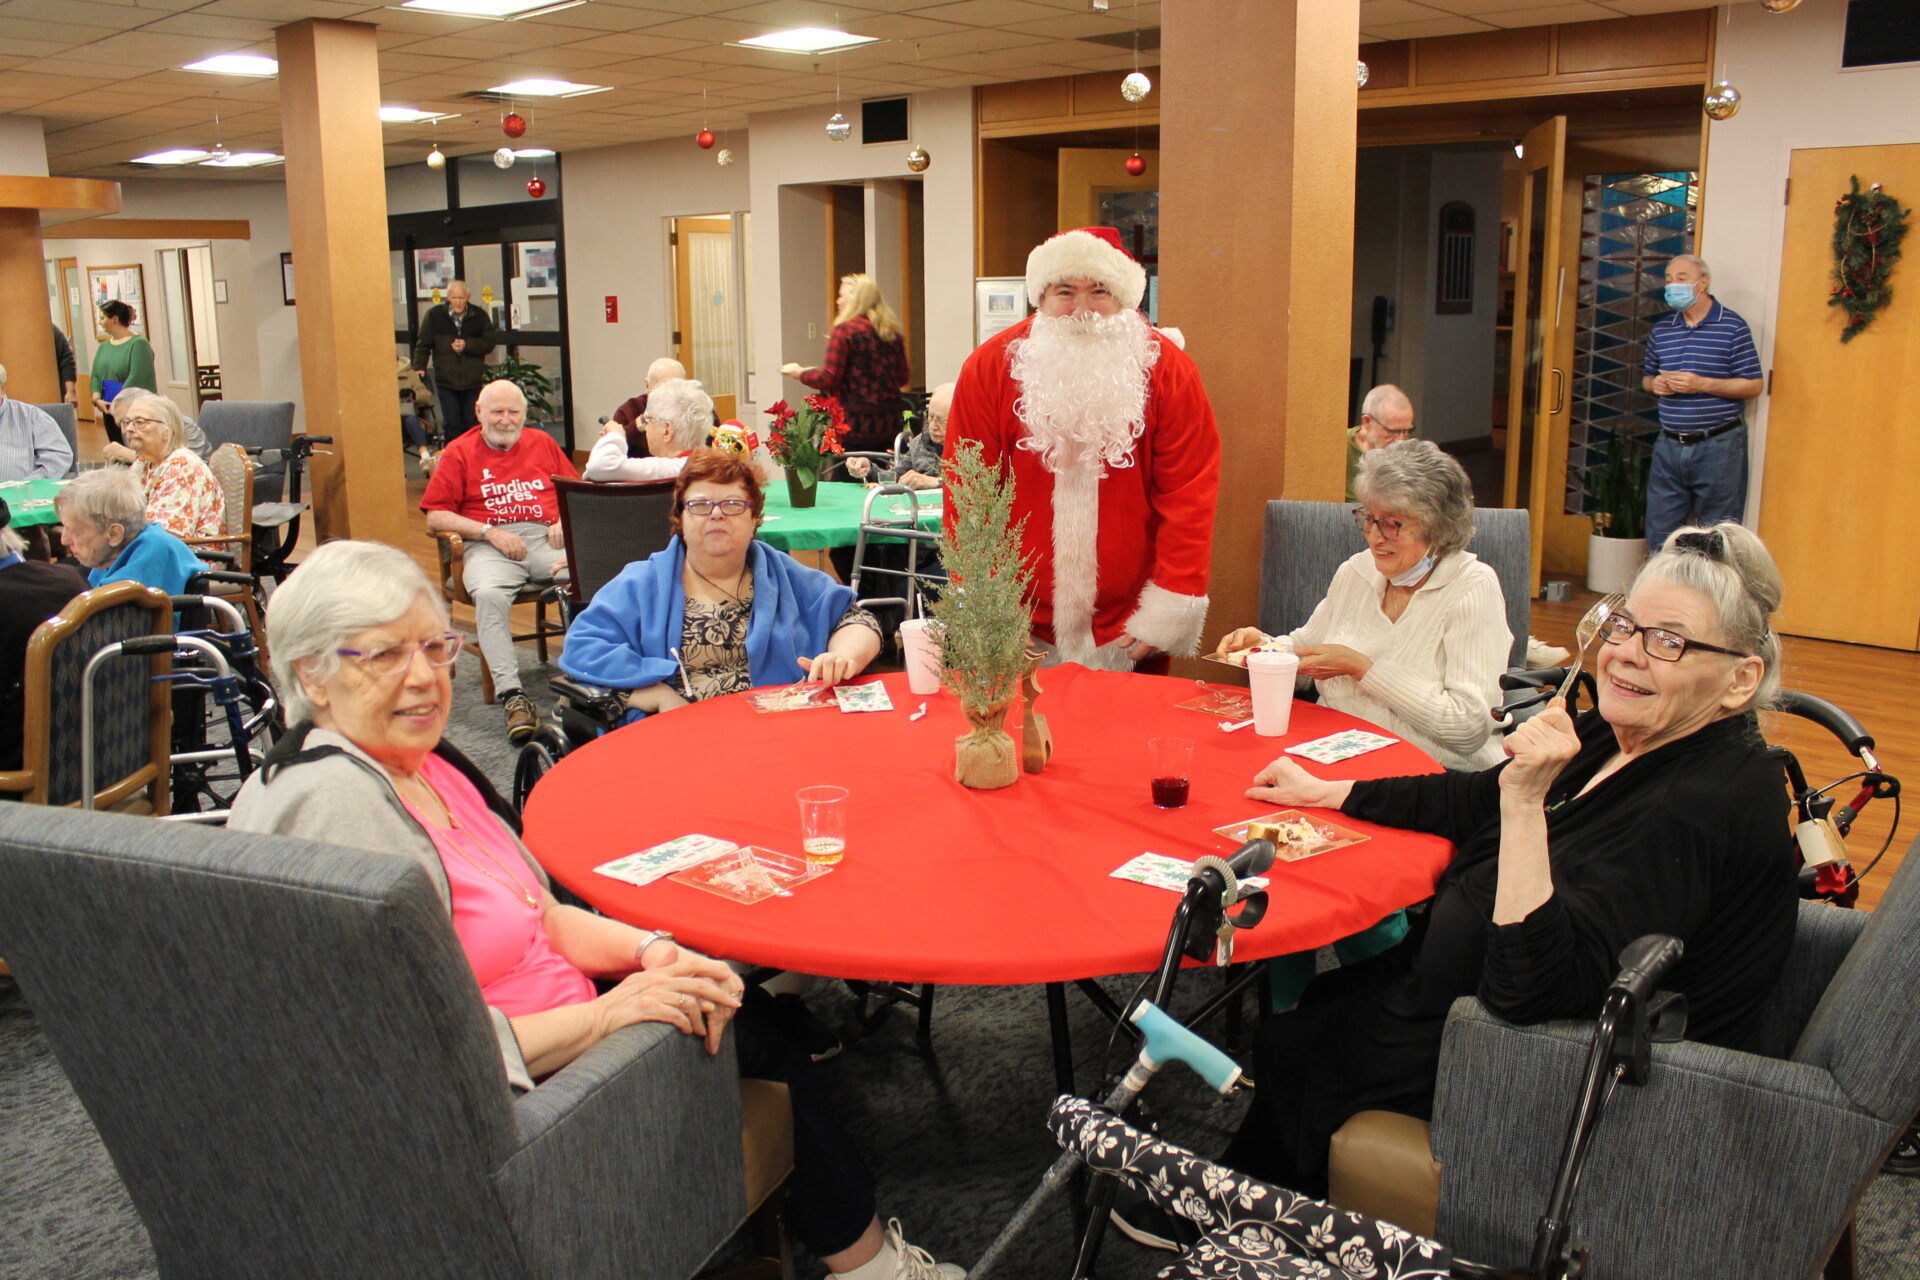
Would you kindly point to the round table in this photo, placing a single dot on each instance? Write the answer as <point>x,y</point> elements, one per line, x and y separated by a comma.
<point>31,501</point>
<point>834,519</point>
<point>943,884</point>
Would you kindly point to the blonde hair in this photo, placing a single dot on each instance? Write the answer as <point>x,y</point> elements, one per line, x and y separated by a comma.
<point>865,300</point>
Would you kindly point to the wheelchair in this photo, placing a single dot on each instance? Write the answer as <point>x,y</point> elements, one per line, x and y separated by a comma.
<point>225,714</point>
<point>581,713</point>
<point>276,524</point>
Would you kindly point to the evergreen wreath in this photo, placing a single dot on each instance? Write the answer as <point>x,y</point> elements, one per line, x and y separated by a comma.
<point>1867,229</point>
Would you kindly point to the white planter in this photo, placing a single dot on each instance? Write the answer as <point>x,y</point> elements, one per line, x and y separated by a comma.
<point>1612,562</point>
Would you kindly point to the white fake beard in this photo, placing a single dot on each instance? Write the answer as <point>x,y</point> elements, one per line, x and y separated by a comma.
<point>1083,387</point>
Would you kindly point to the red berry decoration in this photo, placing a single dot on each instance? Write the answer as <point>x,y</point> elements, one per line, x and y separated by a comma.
<point>536,188</point>
<point>1136,166</point>
<point>513,124</point>
<point>704,139</point>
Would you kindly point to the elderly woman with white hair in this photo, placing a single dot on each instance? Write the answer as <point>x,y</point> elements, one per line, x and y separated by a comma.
<point>191,434</point>
<point>31,591</point>
<point>182,494</point>
<point>677,420</point>
<point>103,522</point>
<point>1412,634</point>
<point>362,653</point>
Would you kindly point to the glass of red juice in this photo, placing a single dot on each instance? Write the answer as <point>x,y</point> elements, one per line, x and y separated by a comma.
<point>1172,770</point>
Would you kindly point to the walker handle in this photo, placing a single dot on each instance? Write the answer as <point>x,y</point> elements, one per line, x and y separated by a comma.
<point>1167,1040</point>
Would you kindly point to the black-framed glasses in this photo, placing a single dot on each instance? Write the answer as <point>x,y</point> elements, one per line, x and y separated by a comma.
<point>390,660</point>
<point>1667,646</point>
<point>725,506</point>
<point>1389,528</point>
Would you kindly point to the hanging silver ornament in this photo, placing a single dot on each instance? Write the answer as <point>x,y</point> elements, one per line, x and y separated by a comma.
<point>725,157</point>
<point>839,128</point>
<point>1722,101</point>
<point>219,154</point>
<point>436,160</point>
<point>503,158</point>
<point>918,160</point>
<point>1779,6</point>
<point>1361,73</point>
<point>1135,87</point>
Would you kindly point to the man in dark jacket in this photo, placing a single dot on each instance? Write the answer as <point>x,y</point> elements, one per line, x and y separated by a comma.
<point>63,359</point>
<point>456,338</point>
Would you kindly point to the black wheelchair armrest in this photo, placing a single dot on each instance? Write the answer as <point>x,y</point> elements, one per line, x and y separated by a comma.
<point>195,583</point>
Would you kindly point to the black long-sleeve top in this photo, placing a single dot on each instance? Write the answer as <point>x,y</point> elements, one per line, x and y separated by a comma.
<point>1690,840</point>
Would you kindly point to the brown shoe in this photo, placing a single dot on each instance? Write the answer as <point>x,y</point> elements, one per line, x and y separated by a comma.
<point>523,718</point>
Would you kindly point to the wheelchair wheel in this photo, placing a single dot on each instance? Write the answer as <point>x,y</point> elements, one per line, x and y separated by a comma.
<point>541,753</point>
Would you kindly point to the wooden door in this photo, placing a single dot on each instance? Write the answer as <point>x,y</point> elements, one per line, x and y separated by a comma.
<point>1542,335</point>
<point>1840,462</point>
<point>64,293</point>
<point>704,315</point>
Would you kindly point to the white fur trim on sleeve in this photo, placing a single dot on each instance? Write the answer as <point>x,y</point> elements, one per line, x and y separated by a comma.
<point>1169,621</point>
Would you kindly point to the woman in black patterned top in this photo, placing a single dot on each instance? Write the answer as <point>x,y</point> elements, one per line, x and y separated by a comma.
<point>865,368</point>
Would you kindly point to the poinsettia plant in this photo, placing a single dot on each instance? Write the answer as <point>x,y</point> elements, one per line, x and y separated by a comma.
<point>803,438</point>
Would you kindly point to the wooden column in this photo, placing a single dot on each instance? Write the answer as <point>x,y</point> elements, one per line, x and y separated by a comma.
<point>1257,136</point>
<point>337,207</point>
<point>26,327</point>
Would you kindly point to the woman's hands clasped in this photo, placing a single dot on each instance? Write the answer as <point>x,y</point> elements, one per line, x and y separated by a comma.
<point>1540,748</point>
<point>681,988</point>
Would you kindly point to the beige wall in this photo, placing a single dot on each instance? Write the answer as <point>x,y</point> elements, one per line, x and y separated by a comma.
<point>23,146</point>
<point>1795,96</point>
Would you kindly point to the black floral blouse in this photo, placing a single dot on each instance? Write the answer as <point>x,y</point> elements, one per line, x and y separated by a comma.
<point>713,643</point>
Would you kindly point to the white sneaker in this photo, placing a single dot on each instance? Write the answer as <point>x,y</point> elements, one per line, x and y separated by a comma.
<point>914,1263</point>
<point>1541,654</point>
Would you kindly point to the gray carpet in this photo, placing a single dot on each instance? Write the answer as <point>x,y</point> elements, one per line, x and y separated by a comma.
<point>956,1138</point>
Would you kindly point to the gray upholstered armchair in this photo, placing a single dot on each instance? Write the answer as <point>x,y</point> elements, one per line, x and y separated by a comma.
<point>283,1047</point>
<point>1723,1164</point>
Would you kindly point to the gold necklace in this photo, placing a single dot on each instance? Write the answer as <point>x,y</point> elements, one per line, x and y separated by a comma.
<point>456,832</point>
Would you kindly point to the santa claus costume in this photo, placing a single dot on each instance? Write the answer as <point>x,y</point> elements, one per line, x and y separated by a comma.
<point>1107,433</point>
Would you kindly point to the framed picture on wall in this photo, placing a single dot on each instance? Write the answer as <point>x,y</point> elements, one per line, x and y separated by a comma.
<point>432,269</point>
<point>540,268</point>
<point>286,278</point>
<point>117,284</point>
<point>999,302</point>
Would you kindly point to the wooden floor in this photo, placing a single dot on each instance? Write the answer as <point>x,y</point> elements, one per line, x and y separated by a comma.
<point>1875,685</point>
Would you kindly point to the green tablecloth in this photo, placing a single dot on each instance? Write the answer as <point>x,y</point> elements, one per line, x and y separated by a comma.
<point>31,501</point>
<point>834,519</point>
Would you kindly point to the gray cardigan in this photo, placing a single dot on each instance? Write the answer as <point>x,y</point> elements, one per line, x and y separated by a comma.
<point>344,797</point>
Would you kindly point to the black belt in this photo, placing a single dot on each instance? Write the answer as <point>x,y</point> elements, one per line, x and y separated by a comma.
<point>1695,437</point>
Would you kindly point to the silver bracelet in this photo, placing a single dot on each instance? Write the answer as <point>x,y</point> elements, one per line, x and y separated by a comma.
<point>656,935</point>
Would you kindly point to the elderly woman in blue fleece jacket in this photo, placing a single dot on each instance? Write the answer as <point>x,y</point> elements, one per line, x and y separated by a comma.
<point>741,614</point>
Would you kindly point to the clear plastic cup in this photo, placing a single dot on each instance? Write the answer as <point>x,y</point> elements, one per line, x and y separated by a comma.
<point>823,823</point>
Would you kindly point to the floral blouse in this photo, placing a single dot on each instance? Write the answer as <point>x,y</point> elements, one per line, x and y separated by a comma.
<point>182,496</point>
<point>713,643</point>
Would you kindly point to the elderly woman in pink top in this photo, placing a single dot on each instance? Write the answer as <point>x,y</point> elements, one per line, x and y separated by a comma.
<point>362,654</point>
<point>182,496</point>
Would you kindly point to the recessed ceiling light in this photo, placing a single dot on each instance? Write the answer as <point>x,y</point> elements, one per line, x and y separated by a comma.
<point>501,10</point>
<point>235,64</point>
<point>807,40</point>
<point>245,160</point>
<point>179,155</point>
<point>411,115</point>
<point>534,153</point>
<point>547,89</point>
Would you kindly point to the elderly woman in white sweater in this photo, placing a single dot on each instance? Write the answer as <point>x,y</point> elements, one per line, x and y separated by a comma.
<point>678,419</point>
<point>1413,632</point>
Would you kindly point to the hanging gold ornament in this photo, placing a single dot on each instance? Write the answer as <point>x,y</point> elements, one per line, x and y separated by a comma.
<point>725,157</point>
<point>839,128</point>
<point>1722,101</point>
<point>1361,73</point>
<point>918,160</point>
<point>436,160</point>
<point>1136,87</point>
<point>1779,6</point>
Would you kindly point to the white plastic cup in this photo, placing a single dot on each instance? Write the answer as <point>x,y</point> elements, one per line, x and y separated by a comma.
<point>923,655</point>
<point>1270,676</point>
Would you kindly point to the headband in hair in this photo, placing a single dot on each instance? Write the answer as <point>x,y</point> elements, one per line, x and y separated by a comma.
<point>1708,543</point>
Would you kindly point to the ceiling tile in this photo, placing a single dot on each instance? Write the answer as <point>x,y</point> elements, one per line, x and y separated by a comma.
<point>986,13</point>
<point>1447,26</point>
<point>1542,14</point>
<point>1377,12</point>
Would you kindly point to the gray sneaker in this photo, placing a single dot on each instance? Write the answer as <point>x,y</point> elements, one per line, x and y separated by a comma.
<point>523,718</point>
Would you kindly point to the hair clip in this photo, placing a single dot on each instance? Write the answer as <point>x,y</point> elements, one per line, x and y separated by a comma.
<point>1707,542</point>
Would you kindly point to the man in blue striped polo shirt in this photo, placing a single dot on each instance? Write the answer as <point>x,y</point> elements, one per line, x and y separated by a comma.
<point>1701,363</point>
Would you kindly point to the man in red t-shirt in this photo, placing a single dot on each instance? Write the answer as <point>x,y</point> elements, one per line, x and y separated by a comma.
<point>494,488</point>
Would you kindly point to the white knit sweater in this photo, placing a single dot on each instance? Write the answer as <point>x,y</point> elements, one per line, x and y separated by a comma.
<point>1436,671</point>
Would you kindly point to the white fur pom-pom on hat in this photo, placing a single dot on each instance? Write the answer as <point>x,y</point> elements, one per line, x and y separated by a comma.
<point>1088,253</point>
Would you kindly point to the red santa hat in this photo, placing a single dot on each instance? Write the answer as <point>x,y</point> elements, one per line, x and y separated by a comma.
<point>1088,253</point>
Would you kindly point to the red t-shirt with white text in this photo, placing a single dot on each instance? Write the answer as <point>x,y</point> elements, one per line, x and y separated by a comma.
<point>499,486</point>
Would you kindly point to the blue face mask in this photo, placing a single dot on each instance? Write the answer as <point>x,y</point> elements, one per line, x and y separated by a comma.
<point>1679,295</point>
<point>1416,573</point>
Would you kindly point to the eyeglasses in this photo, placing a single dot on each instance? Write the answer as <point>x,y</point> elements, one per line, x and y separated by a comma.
<point>1389,528</point>
<point>440,650</point>
<point>1667,646</point>
<point>725,506</point>
<point>141,422</point>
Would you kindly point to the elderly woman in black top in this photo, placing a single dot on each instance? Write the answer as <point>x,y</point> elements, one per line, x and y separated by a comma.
<point>1660,812</point>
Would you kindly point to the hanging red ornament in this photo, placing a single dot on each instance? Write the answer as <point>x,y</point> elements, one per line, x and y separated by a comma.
<point>1135,165</point>
<point>704,139</point>
<point>536,188</point>
<point>513,124</point>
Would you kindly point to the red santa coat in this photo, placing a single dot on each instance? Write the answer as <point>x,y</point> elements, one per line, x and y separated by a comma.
<point>1152,552</point>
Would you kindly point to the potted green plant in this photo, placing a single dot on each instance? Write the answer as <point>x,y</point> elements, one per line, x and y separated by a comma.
<point>1618,489</point>
<point>984,615</point>
<point>535,385</point>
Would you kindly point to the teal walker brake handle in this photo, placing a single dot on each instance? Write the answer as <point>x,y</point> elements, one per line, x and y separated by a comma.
<point>1167,1041</point>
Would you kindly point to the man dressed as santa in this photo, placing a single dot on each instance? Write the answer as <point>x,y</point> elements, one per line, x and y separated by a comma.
<point>1115,458</point>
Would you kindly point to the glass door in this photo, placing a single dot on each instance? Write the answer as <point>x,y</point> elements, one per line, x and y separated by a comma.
<point>1537,378</point>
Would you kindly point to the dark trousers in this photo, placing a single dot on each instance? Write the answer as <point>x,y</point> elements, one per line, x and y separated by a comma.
<point>459,409</point>
<point>830,1196</point>
<point>112,428</point>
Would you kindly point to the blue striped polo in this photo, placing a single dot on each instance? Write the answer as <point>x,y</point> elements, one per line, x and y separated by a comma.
<point>1720,346</point>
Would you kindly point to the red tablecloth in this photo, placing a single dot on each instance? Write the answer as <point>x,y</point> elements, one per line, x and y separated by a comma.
<point>944,884</point>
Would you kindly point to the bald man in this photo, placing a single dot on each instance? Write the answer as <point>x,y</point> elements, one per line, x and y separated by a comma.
<point>1386,415</point>
<point>628,415</point>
